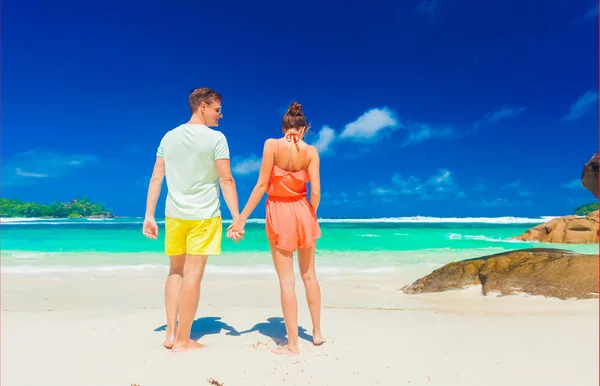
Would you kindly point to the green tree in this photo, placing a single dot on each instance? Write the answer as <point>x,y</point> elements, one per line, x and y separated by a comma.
<point>585,209</point>
<point>79,207</point>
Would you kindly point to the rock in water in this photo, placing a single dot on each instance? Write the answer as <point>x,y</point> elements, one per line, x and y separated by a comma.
<point>538,271</point>
<point>568,230</point>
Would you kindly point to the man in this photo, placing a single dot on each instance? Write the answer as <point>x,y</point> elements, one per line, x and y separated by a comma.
<point>194,159</point>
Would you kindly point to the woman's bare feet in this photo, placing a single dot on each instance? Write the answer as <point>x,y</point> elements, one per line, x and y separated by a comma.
<point>286,350</point>
<point>318,338</point>
<point>190,345</point>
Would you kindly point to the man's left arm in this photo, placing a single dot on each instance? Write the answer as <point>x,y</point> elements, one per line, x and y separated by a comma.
<point>156,181</point>
<point>223,166</point>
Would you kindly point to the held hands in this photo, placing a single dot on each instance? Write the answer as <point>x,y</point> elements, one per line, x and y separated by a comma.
<point>235,236</point>
<point>236,230</point>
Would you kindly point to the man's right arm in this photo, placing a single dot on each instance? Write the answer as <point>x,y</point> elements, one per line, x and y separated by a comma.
<point>228,186</point>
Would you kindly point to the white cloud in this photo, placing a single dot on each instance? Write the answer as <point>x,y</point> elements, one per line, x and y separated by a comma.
<point>504,112</point>
<point>441,184</point>
<point>380,191</point>
<point>375,121</point>
<point>478,187</point>
<point>575,184</point>
<point>23,173</point>
<point>24,168</point>
<point>420,132</point>
<point>370,124</point>
<point>246,165</point>
<point>585,104</point>
<point>407,186</point>
<point>326,137</point>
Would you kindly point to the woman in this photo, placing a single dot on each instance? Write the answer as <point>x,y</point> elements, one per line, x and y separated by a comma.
<point>288,163</point>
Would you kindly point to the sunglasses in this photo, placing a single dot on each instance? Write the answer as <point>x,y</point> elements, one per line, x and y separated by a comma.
<point>218,109</point>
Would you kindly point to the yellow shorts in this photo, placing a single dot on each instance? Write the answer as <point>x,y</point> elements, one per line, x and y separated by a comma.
<point>194,237</point>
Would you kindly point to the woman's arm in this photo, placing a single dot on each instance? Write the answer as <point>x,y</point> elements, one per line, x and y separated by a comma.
<point>315,178</point>
<point>266,167</point>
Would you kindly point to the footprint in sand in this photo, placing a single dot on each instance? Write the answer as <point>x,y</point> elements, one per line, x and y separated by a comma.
<point>257,345</point>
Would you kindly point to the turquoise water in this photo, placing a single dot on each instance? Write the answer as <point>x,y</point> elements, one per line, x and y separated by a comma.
<point>374,245</point>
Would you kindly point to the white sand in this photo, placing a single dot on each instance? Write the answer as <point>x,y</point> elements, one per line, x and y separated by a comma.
<point>70,329</point>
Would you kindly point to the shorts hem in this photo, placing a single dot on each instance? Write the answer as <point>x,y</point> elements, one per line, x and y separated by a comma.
<point>204,253</point>
<point>292,250</point>
<point>177,253</point>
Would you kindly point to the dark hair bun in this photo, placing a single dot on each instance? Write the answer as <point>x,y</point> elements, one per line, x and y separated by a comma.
<point>295,109</point>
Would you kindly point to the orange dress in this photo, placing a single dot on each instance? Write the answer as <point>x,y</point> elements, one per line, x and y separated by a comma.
<point>291,221</point>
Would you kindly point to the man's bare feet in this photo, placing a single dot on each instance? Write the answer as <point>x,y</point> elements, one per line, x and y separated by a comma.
<point>318,338</point>
<point>190,345</point>
<point>286,350</point>
<point>168,342</point>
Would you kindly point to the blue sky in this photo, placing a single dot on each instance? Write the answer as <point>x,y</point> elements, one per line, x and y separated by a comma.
<point>433,108</point>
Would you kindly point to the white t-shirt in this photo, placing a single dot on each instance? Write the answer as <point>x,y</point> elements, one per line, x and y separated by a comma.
<point>190,152</point>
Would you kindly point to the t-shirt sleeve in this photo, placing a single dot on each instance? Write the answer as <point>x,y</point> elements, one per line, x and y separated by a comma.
<point>160,152</point>
<point>221,149</point>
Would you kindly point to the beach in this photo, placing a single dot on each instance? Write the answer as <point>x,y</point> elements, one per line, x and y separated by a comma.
<point>96,317</point>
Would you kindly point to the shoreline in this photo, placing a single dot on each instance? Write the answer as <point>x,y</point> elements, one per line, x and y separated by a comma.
<point>367,220</point>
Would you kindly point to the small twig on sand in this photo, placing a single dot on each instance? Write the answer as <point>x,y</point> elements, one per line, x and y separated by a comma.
<point>215,382</point>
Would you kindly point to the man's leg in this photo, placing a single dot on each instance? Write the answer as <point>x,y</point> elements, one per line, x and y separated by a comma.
<point>193,271</point>
<point>172,291</point>
<point>175,246</point>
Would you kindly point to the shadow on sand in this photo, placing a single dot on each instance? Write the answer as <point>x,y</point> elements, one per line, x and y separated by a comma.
<point>206,326</point>
<point>275,329</point>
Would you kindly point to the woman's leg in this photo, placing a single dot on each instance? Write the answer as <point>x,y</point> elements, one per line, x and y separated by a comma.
<point>306,261</point>
<point>284,265</point>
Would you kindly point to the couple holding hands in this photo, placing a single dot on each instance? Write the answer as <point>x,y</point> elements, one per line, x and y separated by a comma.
<point>193,227</point>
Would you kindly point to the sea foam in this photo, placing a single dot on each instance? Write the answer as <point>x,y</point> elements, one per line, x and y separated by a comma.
<point>413,219</point>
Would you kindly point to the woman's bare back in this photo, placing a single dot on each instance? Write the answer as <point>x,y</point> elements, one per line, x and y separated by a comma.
<point>289,158</point>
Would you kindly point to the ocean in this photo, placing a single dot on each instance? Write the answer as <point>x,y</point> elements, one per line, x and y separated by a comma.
<point>348,246</point>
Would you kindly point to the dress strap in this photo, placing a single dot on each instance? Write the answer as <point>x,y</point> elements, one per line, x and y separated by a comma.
<point>303,158</point>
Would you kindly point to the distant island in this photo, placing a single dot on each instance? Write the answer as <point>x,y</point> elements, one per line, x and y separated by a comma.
<point>77,208</point>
